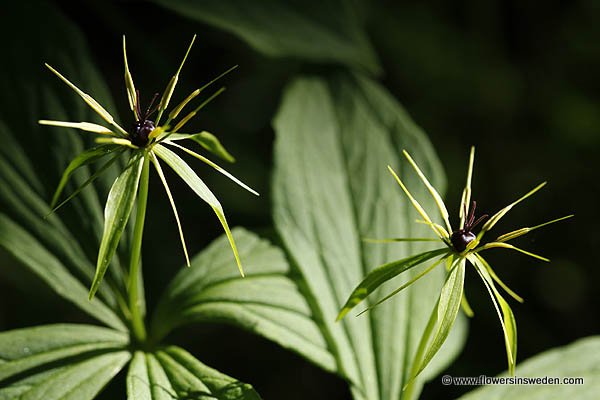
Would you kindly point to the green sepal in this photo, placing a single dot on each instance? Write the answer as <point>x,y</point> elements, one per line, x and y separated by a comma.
<point>116,214</point>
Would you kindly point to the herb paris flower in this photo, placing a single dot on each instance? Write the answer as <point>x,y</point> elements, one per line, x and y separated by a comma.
<point>460,245</point>
<point>147,142</point>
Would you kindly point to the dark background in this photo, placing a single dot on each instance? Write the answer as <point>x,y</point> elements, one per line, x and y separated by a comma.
<point>519,80</point>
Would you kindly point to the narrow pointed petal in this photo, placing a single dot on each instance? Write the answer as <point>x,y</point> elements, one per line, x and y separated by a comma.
<point>493,245</point>
<point>495,277</point>
<point>84,126</point>
<point>87,157</point>
<point>91,179</point>
<point>185,119</point>
<point>166,97</point>
<point>173,114</point>
<point>199,187</point>
<point>208,141</point>
<point>434,193</point>
<point>404,286</point>
<point>90,101</point>
<point>417,206</point>
<point>445,236</point>
<point>395,240</point>
<point>498,216</point>
<point>170,196</point>
<point>507,318</point>
<point>523,231</point>
<point>466,195</point>
<point>131,96</point>
<point>119,141</point>
<point>466,307</point>
<point>215,166</point>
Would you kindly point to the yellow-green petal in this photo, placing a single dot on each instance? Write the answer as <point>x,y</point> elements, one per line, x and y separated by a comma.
<point>84,126</point>
<point>90,101</point>
<point>131,95</point>
<point>466,195</point>
<point>434,193</point>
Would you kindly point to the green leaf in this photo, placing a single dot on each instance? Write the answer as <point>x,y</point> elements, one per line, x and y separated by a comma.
<point>382,274</point>
<point>266,301</point>
<point>199,187</point>
<point>578,359</point>
<point>325,31</point>
<point>77,380</point>
<point>208,141</point>
<point>173,373</point>
<point>27,250</point>
<point>61,361</point>
<point>445,312</point>
<point>116,214</point>
<point>331,188</point>
<point>87,157</point>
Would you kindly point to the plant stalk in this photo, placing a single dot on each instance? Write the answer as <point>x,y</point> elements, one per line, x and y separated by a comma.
<point>133,286</point>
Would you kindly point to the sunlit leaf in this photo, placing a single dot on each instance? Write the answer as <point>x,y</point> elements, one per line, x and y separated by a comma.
<point>266,302</point>
<point>579,359</point>
<point>62,361</point>
<point>330,190</point>
<point>173,373</point>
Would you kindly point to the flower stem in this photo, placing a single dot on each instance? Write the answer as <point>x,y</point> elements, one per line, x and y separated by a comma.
<point>133,286</point>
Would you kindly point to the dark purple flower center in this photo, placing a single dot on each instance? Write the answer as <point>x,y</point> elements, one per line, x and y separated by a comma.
<point>140,131</point>
<point>461,238</point>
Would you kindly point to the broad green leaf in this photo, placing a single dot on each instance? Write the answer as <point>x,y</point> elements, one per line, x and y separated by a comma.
<point>173,373</point>
<point>87,157</point>
<point>578,359</point>
<point>328,31</point>
<point>12,151</point>
<point>116,214</point>
<point>266,301</point>
<point>335,140</point>
<point>27,250</point>
<point>206,140</point>
<point>382,274</point>
<point>199,187</point>
<point>75,380</point>
<point>32,348</point>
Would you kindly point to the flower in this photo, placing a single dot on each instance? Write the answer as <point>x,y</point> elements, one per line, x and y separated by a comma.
<point>460,245</point>
<point>147,141</point>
